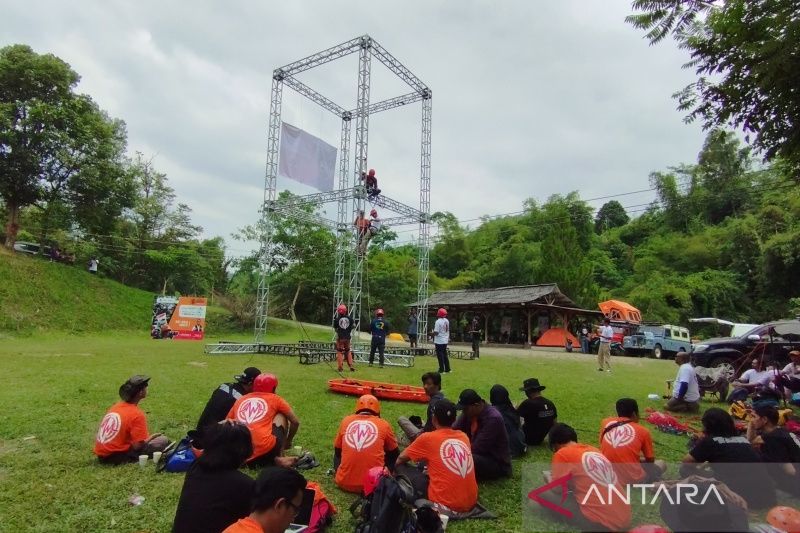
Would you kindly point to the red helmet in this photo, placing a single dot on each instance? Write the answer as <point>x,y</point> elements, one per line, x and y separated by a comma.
<point>342,309</point>
<point>649,528</point>
<point>368,402</point>
<point>265,383</point>
<point>442,312</point>
<point>372,172</point>
<point>372,477</point>
<point>784,518</point>
<point>373,213</point>
<point>379,312</point>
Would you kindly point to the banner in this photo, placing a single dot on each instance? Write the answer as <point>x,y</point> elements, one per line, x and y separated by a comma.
<point>306,158</point>
<point>189,319</point>
<point>163,309</point>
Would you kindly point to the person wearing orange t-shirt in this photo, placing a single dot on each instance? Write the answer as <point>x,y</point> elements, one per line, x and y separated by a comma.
<point>276,501</point>
<point>122,436</point>
<point>586,473</point>
<point>364,441</point>
<point>271,422</point>
<point>629,445</point>
<point>451,470</point>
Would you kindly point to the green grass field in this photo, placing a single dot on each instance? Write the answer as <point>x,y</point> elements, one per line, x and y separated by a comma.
<point>55,389</point>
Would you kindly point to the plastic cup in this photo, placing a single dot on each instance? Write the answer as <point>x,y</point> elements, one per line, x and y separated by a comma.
<point>298,450</point>
<point>156,457</point>
<point>143,460</point>
<point>653,397</point>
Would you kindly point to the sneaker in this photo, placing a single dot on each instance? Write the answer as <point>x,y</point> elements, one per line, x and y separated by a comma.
<point>352,369</point>
<point>339,369</point>
<point>599,369</point>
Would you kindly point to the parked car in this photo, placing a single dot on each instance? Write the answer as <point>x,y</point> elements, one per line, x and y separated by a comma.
<point>726,327</point>
<point>773,340</point>
<point>660,341</point>
<point>31,248</point>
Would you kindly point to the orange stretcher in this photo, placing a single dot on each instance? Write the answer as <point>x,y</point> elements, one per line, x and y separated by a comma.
<point>379,389</point>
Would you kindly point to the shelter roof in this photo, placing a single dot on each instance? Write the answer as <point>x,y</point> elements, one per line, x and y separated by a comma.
<point>504,297</point>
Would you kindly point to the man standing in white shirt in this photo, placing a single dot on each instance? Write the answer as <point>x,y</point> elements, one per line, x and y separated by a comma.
<point>685,390</point>
<point>604,350</point>
<point>441,338</point>
<point>93,263</point>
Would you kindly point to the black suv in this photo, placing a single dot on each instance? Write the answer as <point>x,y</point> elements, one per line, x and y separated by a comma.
<point>774,340</point>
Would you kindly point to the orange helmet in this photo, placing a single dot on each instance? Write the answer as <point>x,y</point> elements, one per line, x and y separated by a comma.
<point>265,383</point>
<point>785,518</point>
<point>342,309</point>
<point>379,312</point>
<point>442,312</point>
<point>368,402</point>
<point>372,172</point>
<point>373,213</point>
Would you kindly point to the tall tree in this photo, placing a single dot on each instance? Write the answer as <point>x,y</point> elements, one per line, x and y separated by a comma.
<point>610,215</point>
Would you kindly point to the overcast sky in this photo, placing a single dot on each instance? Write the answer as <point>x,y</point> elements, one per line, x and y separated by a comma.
<point>530,98</point>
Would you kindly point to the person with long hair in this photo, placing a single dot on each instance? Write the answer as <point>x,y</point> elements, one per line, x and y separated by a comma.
<point>215,493</point>
<point>500,400</point>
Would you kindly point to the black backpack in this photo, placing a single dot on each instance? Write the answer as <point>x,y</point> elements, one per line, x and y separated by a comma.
<point>388,509</point>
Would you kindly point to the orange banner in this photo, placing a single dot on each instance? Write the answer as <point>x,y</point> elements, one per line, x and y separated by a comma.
<point>189,319</point>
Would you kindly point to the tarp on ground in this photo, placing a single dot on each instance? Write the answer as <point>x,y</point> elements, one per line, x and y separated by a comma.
<point>619,310</point>
<point>557,337</point>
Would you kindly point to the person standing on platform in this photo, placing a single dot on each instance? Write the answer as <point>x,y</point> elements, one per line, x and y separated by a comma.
<point>412,328</point>
<point>343,325</point>
<point>604,350</point>
<point>441,332</point>
<point>379,328</point>
<point>475,335</point>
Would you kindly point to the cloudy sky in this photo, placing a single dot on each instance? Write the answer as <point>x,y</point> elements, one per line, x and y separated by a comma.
<point>531,98</point>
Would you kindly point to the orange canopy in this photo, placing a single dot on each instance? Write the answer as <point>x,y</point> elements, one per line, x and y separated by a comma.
<point>619,310</point>
<point>557,337</point>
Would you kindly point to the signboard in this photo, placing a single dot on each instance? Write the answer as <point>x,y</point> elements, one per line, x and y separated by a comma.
<point>178,318</point>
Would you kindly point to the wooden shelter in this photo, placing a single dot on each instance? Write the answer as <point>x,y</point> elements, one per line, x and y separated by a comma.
<point>526,302</point>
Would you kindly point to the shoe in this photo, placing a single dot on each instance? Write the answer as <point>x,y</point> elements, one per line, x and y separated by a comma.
<point>306,462</point>
<point>381,366</point>
<point>339,369</point>
<point>599,369</point>
<point>352,369</point>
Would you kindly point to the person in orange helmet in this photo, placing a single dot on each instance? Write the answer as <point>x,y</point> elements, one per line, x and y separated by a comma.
<point>371,184</point>
<point>343,325</point>
<point>364,440</point>
<point>441,339</point>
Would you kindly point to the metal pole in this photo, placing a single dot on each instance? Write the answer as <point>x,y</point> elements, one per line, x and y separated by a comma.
<point>424,221</point>
<point>342,220</point>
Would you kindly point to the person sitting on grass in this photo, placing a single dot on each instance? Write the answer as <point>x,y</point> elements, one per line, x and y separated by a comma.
<point>123,436</point>
<point>221,401</point>
<point>451,484</point>
<point>788,380</point>
<point>583,468</point>
<point>777,447</point>
<point>499,398</point>
<point>751,381</point>
<point>277,498</point>
<point>364,440</point>
<point>271,422</point>
<point>215,493</point>
<point>484,426</point>
<point>732,460</point>
<point>538,413</point>
<point>685,391</point>
<point>432,383</point>
<point>629,445</point>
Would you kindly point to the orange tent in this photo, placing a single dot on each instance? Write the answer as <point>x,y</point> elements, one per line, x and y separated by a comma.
<point>557,337</point>
<point>619,310</point>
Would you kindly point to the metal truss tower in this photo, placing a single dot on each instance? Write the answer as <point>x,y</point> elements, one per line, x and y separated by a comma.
<point>349,263</point>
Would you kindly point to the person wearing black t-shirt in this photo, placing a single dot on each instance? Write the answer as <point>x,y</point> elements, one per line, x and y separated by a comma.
<point>221,401</point>
<point>732,460</point>
<point>215,493</point>
<point>538,413</point>
<point>778,447</point>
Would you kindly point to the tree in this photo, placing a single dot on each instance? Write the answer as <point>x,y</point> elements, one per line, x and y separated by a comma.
<point>744,53</point>
<point>451,254</point>
<point>56,147</point>
<point>610,215</point>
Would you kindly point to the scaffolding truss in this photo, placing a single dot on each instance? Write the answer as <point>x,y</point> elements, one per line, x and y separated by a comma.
<point>349,263</point>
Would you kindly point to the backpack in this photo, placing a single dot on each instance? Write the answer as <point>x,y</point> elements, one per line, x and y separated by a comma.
<point>322,510</point>
<point>179,459</point>
<point>388,509</point>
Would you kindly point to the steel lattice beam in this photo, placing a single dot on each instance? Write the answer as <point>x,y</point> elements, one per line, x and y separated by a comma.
<point>320,58</point>
<point>398,69</point>
<point>314,96</point>
<point>391,103</point>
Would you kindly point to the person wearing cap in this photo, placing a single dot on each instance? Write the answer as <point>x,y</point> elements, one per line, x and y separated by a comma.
<point>343,325</point>
<point>604,349</point>
<point>788,380</point>
<point>364,440</point>
<point>432,383</point>
<point>221,401</point>
<point>537,412</point>
<point>587,473</point>
<point>451,483</point>
<point>441,338</point>
<point>685,391</point>
<point>629,445</point>
<point>379,328</point>
<point>777,447</point>
<point>123,436</point>
<point>484,426</point>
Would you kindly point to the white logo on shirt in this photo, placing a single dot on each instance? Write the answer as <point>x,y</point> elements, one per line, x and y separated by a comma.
<point>456,456</point>
<point>344,322</point>
<point>251,410</point>
<point>598,468</point>
<point>109,428</point>
<point>619,436</point>
<point>360,434</point>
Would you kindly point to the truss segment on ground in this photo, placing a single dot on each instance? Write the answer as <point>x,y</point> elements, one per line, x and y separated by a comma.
<point>351,194</point>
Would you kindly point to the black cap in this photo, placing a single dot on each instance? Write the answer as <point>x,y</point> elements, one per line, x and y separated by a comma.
<point>532,384</point>
<point>468,397</point>
<point>248,375</point>
<point>444,409</point>
<point>131,388</point>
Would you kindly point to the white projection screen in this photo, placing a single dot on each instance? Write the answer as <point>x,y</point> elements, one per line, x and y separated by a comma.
<point>306,159</point>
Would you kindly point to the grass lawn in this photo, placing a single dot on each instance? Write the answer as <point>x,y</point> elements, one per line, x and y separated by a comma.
<point>54,390</point>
